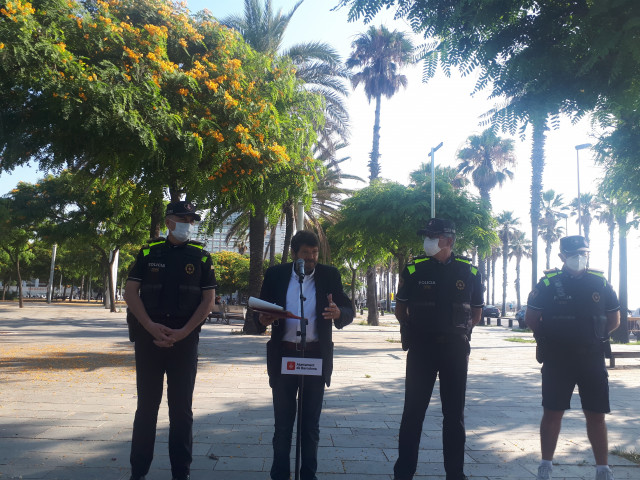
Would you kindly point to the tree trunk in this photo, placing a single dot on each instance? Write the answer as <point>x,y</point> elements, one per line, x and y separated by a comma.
<point>157,214</point>
<point>288,230</point>
<point>256,242</point>
<point>547,252</point>
<point>374,160</point>
<point>505,261</point>
<point>272,246</point>
<point>20,302</point>
<point>518,305</point>
<point>493,279</point>
<point>71,293</point>
<point>372,298</point>
<point>486,279</point>
<point>354,272</point>
<point>112,287</point>
<point>612,240</point>
<point>622,333</point>
<point>539,125</point>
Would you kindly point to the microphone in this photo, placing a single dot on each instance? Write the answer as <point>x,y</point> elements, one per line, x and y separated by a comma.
<point>300,267</point>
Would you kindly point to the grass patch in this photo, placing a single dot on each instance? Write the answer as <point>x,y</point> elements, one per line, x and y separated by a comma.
<point>367,375</point>
<point>632,456</point>
<point>613,342</point>
<point>520,340</point>
<point>521,330</point>
<point>393,340</point>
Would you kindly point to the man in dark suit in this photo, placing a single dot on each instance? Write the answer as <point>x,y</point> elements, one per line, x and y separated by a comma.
<point>325,304</point>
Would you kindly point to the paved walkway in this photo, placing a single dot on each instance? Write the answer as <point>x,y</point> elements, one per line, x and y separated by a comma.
<point>67,399</point>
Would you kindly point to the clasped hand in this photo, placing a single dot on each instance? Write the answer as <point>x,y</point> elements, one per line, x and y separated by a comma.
<point>164,336</point>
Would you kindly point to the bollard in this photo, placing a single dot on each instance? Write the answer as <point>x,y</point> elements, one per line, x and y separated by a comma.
<point>499,321</point>
<point>510,322</point>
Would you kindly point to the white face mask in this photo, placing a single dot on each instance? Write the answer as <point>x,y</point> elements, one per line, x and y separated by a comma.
<point>430,246</point>
<point>576,263</point>
<point>181,231</point>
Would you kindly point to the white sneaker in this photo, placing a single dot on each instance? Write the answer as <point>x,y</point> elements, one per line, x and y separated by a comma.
<point>604,475</point>
<point>544,473</point>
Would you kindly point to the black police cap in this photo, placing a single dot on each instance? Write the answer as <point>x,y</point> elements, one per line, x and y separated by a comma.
<point>438,226</point>
<point>182,209</point>
<point>573,244</point>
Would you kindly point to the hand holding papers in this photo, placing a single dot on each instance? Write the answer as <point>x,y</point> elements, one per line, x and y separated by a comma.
<point>269,310</point>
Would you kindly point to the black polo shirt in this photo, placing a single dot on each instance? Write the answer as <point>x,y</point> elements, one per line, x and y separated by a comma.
<point>435,291</point>
<point>573,308</point>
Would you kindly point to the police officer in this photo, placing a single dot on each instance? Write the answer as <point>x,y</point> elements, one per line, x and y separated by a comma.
<point>572,312</point>
<point>439,300</point>
<point>170,291</point>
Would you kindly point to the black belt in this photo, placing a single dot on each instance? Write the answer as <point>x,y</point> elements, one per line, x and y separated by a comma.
<point>447,338</point>
<point>293,347</point>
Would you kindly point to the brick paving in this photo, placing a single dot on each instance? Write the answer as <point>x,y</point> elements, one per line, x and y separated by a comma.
<point>67,400</point>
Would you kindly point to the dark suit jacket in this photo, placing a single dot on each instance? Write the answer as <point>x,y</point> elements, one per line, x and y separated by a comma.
<point>274,290</point>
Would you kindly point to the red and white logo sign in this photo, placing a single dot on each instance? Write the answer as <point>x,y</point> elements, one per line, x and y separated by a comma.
<point>291,365</point>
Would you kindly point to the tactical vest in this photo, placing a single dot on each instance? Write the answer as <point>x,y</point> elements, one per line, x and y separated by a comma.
<point>576,312</point>
<point>441,304</point>
<point>170,288</point>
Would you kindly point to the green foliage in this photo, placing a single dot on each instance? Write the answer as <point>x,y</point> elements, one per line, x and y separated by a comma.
<point>232,271</point>
<point>383,219</point>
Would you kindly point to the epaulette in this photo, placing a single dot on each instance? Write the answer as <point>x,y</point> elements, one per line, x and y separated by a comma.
<point>597,273</point>
<point>411,267</point>
<point>466,260</point>
<point>552,271</point>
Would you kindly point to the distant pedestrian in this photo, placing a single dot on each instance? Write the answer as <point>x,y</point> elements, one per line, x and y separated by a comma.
<point>170,291</point>
<point>439,301</point>
<point>572,312</point>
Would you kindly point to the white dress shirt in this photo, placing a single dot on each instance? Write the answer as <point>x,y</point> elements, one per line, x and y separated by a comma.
<point>292,327</point>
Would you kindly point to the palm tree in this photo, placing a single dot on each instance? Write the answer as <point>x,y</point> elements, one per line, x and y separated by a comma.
<point>507,223</point>
<point>317,64</point>
<point>519,248</point>
<point>551,210</point>
<point>378,55</point>
<point>606,214</point>
<point>588,204</point>
<point>486,157</point>
<point>320,68</point>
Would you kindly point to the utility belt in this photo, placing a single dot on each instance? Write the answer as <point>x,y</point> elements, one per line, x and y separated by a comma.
<point>546,349</point>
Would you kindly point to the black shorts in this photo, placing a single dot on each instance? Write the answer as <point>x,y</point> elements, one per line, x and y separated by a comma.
<point>560,375</point>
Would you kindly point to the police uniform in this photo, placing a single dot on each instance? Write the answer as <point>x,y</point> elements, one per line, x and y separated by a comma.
<point>571,334</point>
<point>439,297</point>
<point>172,278</point>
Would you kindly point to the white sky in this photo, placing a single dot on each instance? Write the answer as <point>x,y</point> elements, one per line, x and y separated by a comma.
<point>422,116</point>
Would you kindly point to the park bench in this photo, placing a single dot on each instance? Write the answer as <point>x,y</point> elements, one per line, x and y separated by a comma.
<point>614,355</point>
<point>223,313</point>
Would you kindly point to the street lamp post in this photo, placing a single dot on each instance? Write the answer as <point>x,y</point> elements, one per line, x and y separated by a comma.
<point>578,148</point>
<point>433,180</point>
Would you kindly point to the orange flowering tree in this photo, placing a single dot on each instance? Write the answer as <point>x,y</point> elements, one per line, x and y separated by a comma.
<point>144,90</point>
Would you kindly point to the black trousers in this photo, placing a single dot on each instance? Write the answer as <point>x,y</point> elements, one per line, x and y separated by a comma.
<point>449,360</point>
<point>180,363</point>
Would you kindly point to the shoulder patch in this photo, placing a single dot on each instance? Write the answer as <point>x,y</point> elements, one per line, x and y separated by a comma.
<point>551,270</point>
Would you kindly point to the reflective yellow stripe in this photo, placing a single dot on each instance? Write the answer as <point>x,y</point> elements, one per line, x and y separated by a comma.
<point>412,269</point>
<point>474,270</point>
<point>463,260</point>
<point>204,259</point>
<point>197,246</point>
<point>145,252</point>
<point>546,281</point>
<point>156,243</point>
